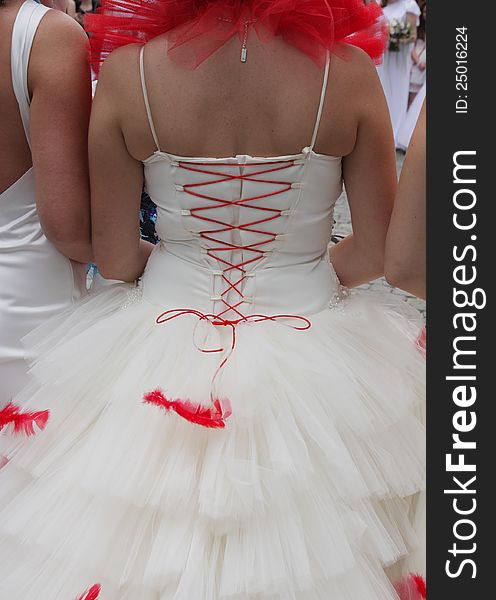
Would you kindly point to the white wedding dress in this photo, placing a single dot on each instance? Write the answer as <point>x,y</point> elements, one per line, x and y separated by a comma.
<point>304,494</point>
<point>396,67</point>
<point>37,281</point>
<point>410,122</point>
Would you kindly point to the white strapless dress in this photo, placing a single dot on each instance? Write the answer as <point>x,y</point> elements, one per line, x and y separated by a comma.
<point>304,494</point>
<point>37,282</point>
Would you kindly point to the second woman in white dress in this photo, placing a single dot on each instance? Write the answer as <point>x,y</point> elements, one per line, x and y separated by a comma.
<point>44,189</point>
<point>396,67</point>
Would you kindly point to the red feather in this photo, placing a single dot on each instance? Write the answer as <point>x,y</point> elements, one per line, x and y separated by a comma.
<point>422,341</point>
<point>23,423</point>
<point>421,585</point>
<point>92,594</point>
<point>207,416</point>
<point>412,587</point>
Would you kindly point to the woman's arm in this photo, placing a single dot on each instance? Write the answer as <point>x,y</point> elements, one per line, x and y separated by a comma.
<point>116,180</point>
<point>71,9</point>
<point>59,82</point>
<point>406,240</point>
<point>416,59</point>
<point>412,19</point>
<point>369,174</point>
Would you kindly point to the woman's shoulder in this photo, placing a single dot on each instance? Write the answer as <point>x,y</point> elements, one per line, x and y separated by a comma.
<point>412,7</point>
<point>354,90</point>
<point>60,46</point>
<point>58,35</point>
<point>126,57</point>
<point>119,60</point>
<point>353,68</point>
<point>355,96</point>
<point>119,72</point>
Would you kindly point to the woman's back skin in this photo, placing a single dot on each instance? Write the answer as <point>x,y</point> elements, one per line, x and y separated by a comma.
<point>15,156</point>
<point>60,91</point>
<point>265,107</point>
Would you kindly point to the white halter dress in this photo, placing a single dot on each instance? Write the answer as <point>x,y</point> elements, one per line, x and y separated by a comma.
<point>37,281</point>
<point>303,495</point>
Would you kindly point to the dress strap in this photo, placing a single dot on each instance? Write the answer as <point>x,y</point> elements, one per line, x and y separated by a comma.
<point>322,101</point>
<point>26,24</point>
<point>145,98</point>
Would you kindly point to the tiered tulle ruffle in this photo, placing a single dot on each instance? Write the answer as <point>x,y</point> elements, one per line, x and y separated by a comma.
<point>200,27</point>
<point>304,495</point>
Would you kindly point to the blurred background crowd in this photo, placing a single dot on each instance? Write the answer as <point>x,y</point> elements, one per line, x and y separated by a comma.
<point>404,67</point>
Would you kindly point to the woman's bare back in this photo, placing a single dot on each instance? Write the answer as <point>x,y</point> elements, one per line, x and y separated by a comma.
<point>15,156</point>
<point>264,107</point>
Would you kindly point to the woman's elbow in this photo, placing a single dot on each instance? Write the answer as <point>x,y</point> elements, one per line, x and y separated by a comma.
<point>413,283</point>
<point>73,242</point>
<point>107,269</point>
<point>62,232</point>
<point>399,273</point>
<point>394,278</point>
<point>114,269</point>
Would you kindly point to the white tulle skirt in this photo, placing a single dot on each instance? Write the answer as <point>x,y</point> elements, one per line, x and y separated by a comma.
<point>305,495</point>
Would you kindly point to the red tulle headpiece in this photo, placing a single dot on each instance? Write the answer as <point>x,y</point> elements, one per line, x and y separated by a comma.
<point>200,27</point>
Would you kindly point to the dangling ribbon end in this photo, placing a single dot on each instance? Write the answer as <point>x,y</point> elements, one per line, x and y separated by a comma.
<point>223,407</point>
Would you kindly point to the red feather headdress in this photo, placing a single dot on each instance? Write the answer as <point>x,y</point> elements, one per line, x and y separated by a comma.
<point>200,27</point>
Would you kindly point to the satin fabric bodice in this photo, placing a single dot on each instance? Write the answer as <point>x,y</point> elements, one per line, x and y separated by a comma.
<point>243,235</point>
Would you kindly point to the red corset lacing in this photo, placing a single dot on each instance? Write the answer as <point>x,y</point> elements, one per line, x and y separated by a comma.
<point>219,409</point>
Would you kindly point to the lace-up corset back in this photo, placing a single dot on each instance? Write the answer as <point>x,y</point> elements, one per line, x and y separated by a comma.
<point>252,227</point>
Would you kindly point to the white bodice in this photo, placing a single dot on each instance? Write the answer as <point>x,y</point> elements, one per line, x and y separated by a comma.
<point>243,235</point>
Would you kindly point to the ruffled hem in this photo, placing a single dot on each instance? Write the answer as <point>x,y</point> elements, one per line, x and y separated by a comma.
<point>304,495</point>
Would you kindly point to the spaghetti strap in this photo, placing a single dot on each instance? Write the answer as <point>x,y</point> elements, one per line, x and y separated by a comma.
<point>145,98</point>
<point>321,103</point>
